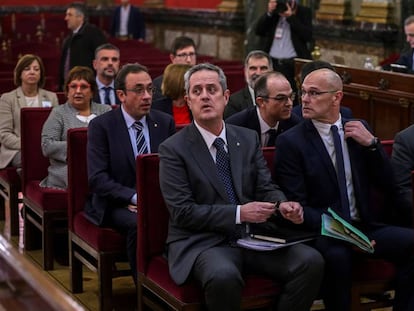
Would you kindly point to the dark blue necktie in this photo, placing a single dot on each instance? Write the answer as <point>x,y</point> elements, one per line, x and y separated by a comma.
<point>340,173</point>
<point>107,98</point>
<point>271,138</point>
<point>224,170</point>
<point>140,139</point>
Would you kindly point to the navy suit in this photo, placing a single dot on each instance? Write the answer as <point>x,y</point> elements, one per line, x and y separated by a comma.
<point>112,172</point>
<point>238,101</point>
<point>97,98</point>
<point>136,25</point>
<point>406,59</point>
<point>304,170</point>
<point>249,118</point>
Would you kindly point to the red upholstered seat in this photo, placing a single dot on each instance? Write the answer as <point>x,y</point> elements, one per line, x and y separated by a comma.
<point>45,208</point>
<point>98,248</point>
<point>10,186</point>
<point>155,286</point>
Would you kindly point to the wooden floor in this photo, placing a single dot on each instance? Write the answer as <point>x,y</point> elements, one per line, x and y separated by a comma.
<point>124,288</point>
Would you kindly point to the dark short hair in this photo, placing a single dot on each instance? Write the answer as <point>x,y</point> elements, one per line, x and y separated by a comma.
<point>125,70</point>
<point>315,65</point>
<point>79,7</point>
<point>258,54</point>
<point>24,62</point>
<point>81,72</point>
<point>106,46</point>
<point>173,80</point>
<point>260,86</point>
<point>181,43</point>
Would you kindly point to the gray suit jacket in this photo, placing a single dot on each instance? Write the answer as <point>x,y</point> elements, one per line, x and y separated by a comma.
<point>10,105</point>
<point>402,161</point>
<point>238,102</point>
<point>200,214</point>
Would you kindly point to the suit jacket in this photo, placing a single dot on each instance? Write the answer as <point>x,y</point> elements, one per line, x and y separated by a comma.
<point>238,102</point>
<point>111,161</point>
<point>304,171</point>
<point>136,25</point>
<point>97,98</point>
<point>82,47</point>
<point>200,213</point>
<point>345,111</point>
<point>300,26</point>
<point>165,104</point>
<point>406,59</point>
<point>402,161</point>
<point>249,118</point>
<point>10,105</point>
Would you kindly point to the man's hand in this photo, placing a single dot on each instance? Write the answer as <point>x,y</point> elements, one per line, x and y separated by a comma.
<point>292,211</point>
<point>357,131</point>
<point>256,212</point>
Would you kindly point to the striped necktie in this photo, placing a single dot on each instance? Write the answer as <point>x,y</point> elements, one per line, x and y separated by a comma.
<point>140,139</point>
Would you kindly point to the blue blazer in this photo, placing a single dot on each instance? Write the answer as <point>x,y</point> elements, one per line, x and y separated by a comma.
<point>304,171</point>
<point>136,25</point>
<point>248,118</point>
<point>407,60</point>
<point>111,161</point>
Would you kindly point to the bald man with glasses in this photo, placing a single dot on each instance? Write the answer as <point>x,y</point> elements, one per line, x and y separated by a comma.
<point>272,113</point>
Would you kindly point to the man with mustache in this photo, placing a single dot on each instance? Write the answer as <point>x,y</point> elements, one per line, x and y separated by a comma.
<point>106,65</point>
<point>272,113</point>
<point>256,63</point>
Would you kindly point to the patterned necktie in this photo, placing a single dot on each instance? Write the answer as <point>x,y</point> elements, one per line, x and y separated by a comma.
<point>223,169</point>
<point>340,172</point>
<point>140,139</point>
<point>271,138</point>
<point>107,99</point>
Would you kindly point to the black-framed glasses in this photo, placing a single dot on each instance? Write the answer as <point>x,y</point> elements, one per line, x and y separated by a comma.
<point>185,55</point>
<point>282,98</point>
<point>141,90</point>
<point>314,94</point>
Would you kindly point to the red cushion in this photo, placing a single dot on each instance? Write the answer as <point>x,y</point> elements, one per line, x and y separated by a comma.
<point>100,238</point>
<point>367,269</point>
<point>48,199</point>
<point>9,176</point>
<point>190,292</point>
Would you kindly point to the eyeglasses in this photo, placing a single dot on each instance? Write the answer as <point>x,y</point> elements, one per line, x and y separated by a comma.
<point>314,94</point>
<point>282,98</point>
<point>185,55</point>
<point>141,90</point>
<point>82,86</point>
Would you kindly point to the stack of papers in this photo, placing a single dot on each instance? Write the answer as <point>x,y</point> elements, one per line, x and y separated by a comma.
<point>262,245</point>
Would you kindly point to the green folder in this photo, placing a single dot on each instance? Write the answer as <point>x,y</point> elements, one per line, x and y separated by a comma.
<point>336,227</point>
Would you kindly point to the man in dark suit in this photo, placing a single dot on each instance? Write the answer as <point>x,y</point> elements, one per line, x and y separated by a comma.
<point>287,31</point>
<point>256,63</point>
<point>306,168</point>
<point>406,58</point>
<point>128,22</point>
<point>106,65</point>
<point>114,141</point>
<point>272,114</point>
<point>80,45</point>
<point>402,161</point>
<point>207,208</point>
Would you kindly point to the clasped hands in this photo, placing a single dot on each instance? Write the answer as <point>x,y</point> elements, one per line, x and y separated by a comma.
<point>258,212</point>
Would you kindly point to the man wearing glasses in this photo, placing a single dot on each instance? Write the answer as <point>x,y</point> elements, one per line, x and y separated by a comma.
<point>114,141</point>
<point>183,51</point>
<point>272,113</point>
<point>330,161</point>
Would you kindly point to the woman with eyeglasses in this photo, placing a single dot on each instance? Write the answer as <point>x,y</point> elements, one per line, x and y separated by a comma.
<point>78,111</point>
<point>29,77</point>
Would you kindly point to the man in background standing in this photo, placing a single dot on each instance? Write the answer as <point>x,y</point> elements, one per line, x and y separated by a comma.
<point>80,45</point>
<point>287,29</point>
<point>106,64</point>
<point>128,22</point>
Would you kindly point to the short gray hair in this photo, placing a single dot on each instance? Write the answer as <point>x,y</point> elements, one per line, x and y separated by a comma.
<point>204,66</point>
